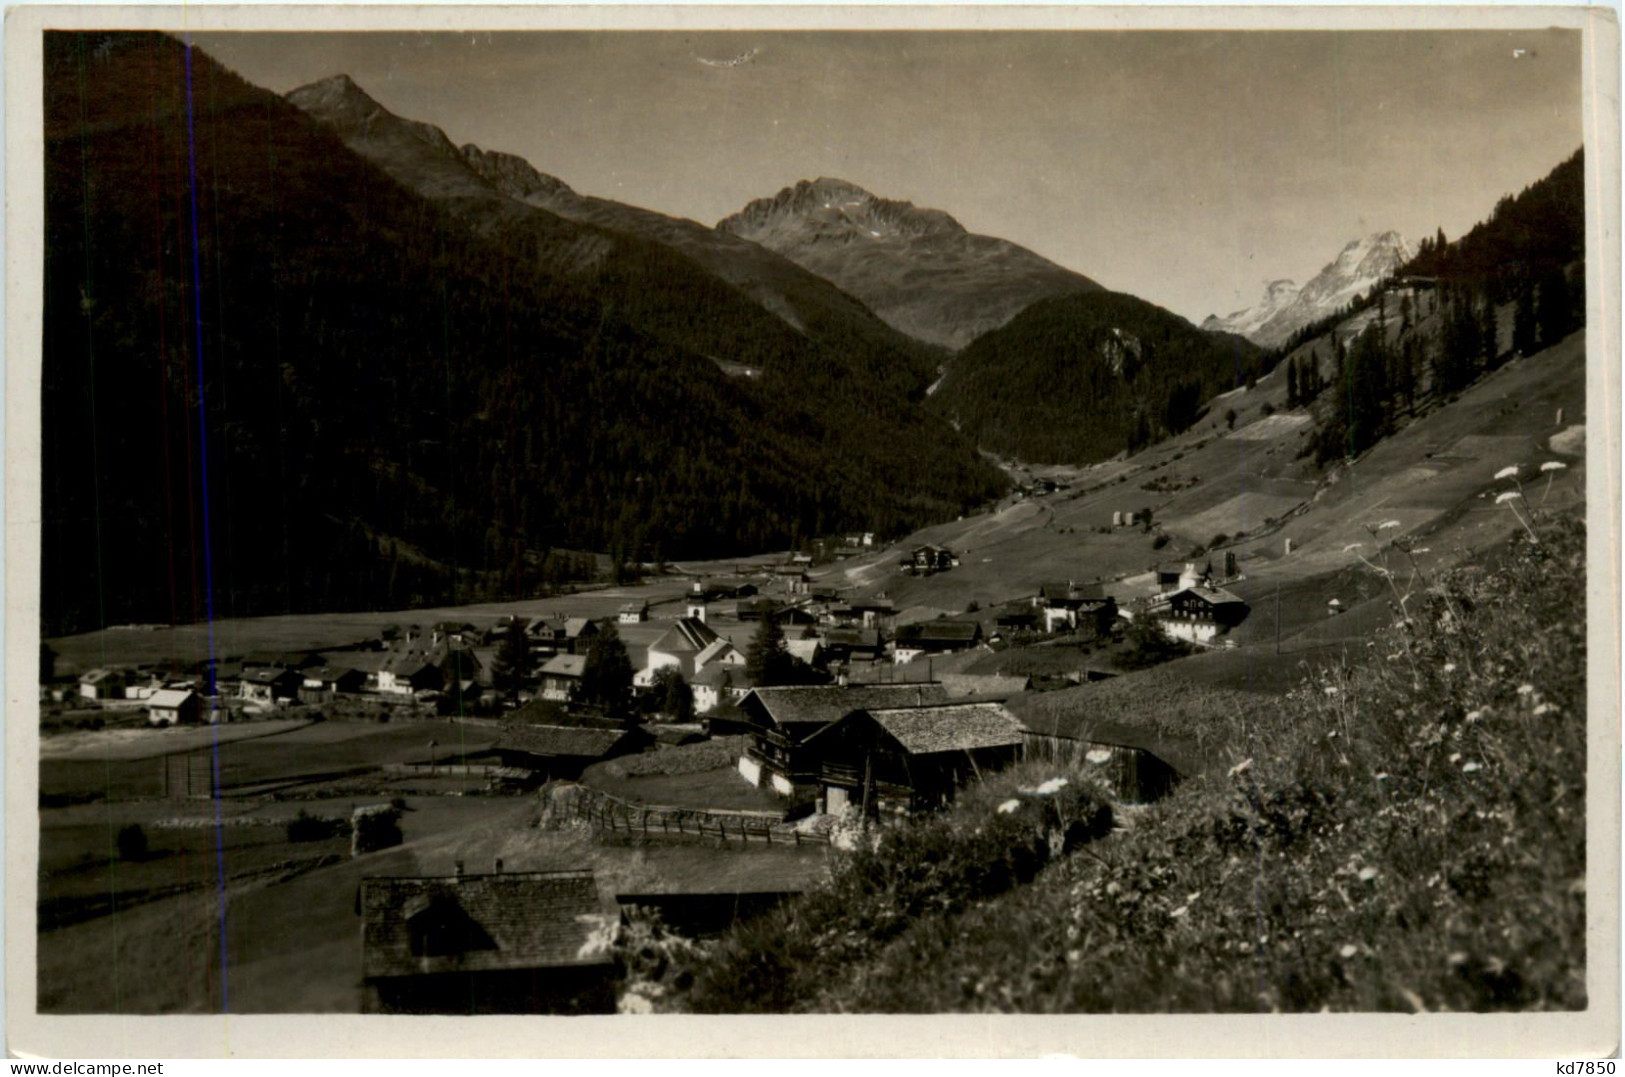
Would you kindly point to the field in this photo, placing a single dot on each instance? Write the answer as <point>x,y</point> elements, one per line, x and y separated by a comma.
<point>1428,476</point>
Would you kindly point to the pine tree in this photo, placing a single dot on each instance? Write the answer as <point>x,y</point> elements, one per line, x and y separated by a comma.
<point>676,698</point>
<point>1524,328</point>
<point>1292,383</point>
<point>1490,334</point>
<point>1552,308</point>
<point>767,660</point>
<point>511,667</point>
<point>606,676</point>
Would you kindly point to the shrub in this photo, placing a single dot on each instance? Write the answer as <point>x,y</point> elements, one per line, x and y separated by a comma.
<point>132,842</point>
<point>923,870</point>
<point>307,827</point>
<point>1160,541</point>
<point>373,828</point>
<point>1218,540</point>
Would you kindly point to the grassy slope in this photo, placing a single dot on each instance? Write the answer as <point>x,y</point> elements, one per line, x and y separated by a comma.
<point>1404,833</point>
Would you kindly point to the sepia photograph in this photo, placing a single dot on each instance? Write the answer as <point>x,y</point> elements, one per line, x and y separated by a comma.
<point>691,518</point>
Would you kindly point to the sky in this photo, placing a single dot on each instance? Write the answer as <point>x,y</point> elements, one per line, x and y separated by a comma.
<point>1187,168</point>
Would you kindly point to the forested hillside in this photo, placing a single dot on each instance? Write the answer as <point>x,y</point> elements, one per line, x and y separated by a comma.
<point>1513,285</point>
<point>1083,377</point>
<point>269,365</point>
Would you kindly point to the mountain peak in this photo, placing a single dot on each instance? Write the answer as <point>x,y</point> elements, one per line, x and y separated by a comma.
<point>919,269</point>
<point>836,210</point>
<point>1285,308</point>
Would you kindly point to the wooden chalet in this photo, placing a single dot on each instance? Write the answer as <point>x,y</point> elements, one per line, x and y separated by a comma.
<point>521,942</point>
<point>781,719</point>
<point>843,645</point>
<point>1198,614</point>
<point>173,706</point>
<point>1070,607</point>
<point>323,683</point>
<point>908,759</point>
<point>561,676</point>
<point>786,613</point>
<point>633,613</point>
<point>926,560</point>
<point>943,636</point>
<point>271,685</point>
<point>103,684</point>
<point>564,751</point>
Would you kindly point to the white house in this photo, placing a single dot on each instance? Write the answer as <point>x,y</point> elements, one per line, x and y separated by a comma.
<point>172,706</point>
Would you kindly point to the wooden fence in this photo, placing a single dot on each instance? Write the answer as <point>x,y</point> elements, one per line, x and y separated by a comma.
<point>611,814</point>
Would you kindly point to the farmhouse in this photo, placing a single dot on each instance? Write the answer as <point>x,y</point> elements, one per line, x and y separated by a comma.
<point>780,719</point>
<point>103,684</point>
<point>719,652</point>
<point>910,758</point>
<point>633,613</point>
<point>521,942</point>
<point>551,634</point>
<point>1068,607</point>
<point>785,613</point>
<point>925,560</point>
<point>563,751</point>
<point>271,685</point>
<point>325,682</point>
<point>1198,614</point>
<point>678,646</point>
<point>719,685</point>
<point>943,636</point>
<point>561,676</point>
<point>853,645</point>
<point>173,706</point>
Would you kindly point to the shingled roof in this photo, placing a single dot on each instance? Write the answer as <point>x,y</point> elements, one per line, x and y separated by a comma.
<point>952,728</point>
<point>687,634</point>
<point>576,742</point>
<point>819,705</point>
<point>519,920</point>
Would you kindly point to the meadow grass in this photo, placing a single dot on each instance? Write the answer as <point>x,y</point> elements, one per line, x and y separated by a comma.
<point>1405,831</point>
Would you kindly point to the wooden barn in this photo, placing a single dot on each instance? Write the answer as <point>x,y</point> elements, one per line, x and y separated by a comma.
<point>1136,766</point>
<point>909,759</point>
<point>781,719</point>
<point>522,942</point>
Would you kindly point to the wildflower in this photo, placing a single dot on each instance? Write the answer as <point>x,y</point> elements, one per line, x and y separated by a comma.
<point>1051,787</point>
<point>1423,549</point>
<point>1473,716</point>
<point>1241,767</point>
<point>1386,524</point>
<point>1553,465</point>
<point>1509,495</point>
<point>1009,806</point>
<point>1349,950</point>
<point>1098,755</point>
<point>1190,899</point>
<point>1455,757</point>
<point>1381,775</point>
<point>1177,913</point>
<point>1450,667</point>
<point>1469,766</point>
<point>1245,947</point>
<point>1330,690</point>
<point>1544,708</point>
<point>1352,546</point>
<point>1525,689</point>
<point>1507,472</point>
<point>1367,874</point>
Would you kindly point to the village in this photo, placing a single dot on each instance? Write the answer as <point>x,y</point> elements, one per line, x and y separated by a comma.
<point>766,710</point>
<point>450,807</point>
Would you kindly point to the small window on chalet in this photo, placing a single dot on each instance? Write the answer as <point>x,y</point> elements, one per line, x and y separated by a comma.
<point>444,929</point>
